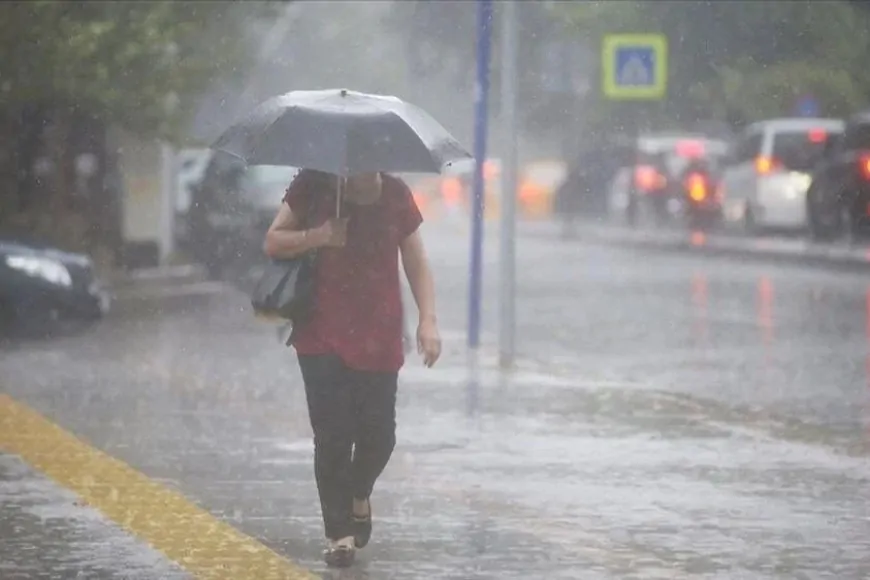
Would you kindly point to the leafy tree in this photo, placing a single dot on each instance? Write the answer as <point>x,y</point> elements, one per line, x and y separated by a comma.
<point>745,59</point>
<point>435,32</point>
<point>69,69</point>
<point>441,39</point>
<point>123,61</point>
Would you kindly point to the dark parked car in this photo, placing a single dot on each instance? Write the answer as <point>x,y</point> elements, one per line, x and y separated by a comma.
<point>231,210</point>
<point>41,285</point>
<point>699,185</point>
<point>838,199</point>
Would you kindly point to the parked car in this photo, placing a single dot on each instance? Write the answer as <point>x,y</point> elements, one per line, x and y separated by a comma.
<point>653,188</point>
<point>41,285</point>
<point>702,206</point>
<point>768,172</point>
<point>457,185</point>
<point>190,167</point>
<point>232,208</point>
<point>538,183</point>
<point>838,200</point>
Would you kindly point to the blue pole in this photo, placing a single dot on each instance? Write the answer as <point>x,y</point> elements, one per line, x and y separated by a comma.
<point>481,96</point>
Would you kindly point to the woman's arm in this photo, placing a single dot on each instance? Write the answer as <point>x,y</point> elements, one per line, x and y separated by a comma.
<point>419,274</point>
<point>423,288</point>
<point>285,240</point>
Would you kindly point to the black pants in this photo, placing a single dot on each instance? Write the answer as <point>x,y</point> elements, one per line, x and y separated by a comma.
<point>353,416</point>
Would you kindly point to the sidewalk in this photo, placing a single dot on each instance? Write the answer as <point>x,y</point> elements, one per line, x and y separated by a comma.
<point>48,533</point>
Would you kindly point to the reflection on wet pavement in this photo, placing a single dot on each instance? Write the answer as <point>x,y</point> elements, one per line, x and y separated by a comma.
<point>670,417</point>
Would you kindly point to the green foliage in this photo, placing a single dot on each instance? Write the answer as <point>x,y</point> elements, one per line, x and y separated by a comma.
<point>753,92</point>
<point>123,61</point>
<point>752,59</point>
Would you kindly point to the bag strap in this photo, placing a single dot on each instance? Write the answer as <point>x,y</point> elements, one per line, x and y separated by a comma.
<point>307,219</point>
<point>308,207</point>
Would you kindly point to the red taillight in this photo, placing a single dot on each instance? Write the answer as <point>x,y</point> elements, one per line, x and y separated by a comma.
<point>696,185</point>
<point>451,191</point>
<point>690,149</point>
<point>817,135</point>
<point>647,178</point>
<point>864,164</point>
<point>765,165</point>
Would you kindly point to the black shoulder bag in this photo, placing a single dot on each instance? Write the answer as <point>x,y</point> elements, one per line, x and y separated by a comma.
<point>286,288</point>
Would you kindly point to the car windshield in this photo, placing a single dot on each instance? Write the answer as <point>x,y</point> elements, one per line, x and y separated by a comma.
<point>676,153</point>
<point>800,150</point>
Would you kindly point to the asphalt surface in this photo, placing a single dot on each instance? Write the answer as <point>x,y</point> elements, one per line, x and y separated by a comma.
<point>670,416</point>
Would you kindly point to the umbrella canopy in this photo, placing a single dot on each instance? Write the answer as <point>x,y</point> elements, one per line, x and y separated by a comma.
<point>341,132</point>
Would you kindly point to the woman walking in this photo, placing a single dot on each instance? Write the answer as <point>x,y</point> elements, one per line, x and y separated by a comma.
<point>350,351</point>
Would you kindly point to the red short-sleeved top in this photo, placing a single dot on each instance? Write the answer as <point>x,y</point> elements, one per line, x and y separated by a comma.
<point>358,304</point>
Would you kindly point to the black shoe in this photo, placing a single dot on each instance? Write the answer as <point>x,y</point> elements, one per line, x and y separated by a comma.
<point>339,556</point>
<point>362,528</point>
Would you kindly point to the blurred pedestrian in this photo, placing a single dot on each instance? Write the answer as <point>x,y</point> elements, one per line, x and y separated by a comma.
<point>586,185</point>
<point>350,351</point>
<point>570,193</point>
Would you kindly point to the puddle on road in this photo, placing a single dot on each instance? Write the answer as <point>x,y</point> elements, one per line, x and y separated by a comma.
<point>628,408</point>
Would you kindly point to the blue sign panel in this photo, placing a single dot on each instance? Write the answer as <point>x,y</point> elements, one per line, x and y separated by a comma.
<point>635,66</point>
<point>807,106</point>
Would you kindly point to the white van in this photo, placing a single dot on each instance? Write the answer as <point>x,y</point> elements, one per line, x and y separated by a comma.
<point>768,172</point>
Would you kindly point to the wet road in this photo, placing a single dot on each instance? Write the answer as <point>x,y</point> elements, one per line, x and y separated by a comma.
<point>671,416</point>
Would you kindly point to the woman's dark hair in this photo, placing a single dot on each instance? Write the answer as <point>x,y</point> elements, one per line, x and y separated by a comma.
<point>318,179</point>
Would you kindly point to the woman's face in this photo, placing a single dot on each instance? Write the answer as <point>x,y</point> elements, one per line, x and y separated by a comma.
<point>362,182</point>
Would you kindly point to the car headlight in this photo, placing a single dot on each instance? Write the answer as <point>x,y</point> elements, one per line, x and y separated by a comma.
<point>801,181</point>
<point>49,270</point>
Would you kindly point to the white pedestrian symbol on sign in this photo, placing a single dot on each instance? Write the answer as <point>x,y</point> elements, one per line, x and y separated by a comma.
<point>634,72</point>
<point>635,67</point>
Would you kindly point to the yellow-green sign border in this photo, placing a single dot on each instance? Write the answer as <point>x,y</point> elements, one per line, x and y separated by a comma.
<point>613,90</point>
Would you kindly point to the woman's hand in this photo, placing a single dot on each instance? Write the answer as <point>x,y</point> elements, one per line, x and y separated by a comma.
<point>423,288</point>
<point>332,233</point>
<point>428,341</point>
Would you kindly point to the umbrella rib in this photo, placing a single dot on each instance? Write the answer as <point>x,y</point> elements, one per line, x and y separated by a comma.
<point>266,129</point>
<point>230,153</point>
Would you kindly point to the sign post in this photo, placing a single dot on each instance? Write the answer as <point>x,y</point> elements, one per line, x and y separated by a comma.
<point>481,97</point>
<point>507,282</point>
<point>634,68</point>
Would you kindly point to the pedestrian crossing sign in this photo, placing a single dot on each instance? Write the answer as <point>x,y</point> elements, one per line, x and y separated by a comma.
<point>635,67</point>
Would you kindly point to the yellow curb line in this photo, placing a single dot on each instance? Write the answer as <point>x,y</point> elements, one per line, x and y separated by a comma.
<point>200,543</point>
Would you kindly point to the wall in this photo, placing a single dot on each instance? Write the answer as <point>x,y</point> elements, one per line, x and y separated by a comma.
<point>146,169</point>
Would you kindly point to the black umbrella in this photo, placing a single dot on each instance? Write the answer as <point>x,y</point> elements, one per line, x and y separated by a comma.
<point>341,132</point>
